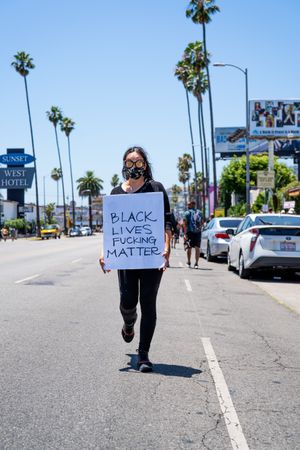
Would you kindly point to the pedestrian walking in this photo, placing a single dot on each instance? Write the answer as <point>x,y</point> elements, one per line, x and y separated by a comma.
<point>13,233</point>
<point>140,284</point>
<point>192,232</point>
<point>4,233</point>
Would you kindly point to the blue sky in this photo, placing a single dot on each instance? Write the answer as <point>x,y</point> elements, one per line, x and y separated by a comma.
<point>110,65</point>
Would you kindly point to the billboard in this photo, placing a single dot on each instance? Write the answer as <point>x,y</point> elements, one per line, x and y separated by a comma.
<point>283,148</point>
<point>274,119</point>
<point>222,143</point>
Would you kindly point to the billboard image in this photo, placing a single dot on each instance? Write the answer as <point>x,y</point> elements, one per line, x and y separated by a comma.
<point>283,148</point>
<point>238,147</point>
<point>274,119</point>
<point>222,143</point>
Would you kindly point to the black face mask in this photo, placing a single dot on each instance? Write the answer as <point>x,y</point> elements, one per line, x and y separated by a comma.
<point>133,173</point>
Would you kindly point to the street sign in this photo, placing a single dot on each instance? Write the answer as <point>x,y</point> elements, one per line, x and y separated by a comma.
<point>290,204</point>
<point>265,179</point>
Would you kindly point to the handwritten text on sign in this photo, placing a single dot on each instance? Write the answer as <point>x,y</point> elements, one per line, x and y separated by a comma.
<point>133,226</point>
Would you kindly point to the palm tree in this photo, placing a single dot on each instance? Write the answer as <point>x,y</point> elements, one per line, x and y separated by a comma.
<point>67,126</point>
<point>199,183</point>
<point>196,60</point>
<point>184,165</point>
<point>50,208</point>
<point>115,180</point>
<point>175,191</point>
<point>23,64</point>
<point>200,11</point>
<point>90,186</point>
<point>182,72</point>
<point>56,176</point>
<point>55,116</point>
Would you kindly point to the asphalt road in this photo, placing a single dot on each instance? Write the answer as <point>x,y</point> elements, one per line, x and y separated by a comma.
<point>226,354</point>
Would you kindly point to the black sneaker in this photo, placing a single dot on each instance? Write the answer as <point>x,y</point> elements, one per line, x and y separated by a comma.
<point>127,332</point>
<point>144,365</point>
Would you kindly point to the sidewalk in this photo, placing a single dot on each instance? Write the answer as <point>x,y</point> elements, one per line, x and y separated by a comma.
<point>285,293</point>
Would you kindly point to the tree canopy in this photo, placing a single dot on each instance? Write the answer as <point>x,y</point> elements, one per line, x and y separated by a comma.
<point>233,177</point>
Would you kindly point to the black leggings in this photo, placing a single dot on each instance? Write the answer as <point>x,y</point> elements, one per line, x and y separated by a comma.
<point>143,284</point>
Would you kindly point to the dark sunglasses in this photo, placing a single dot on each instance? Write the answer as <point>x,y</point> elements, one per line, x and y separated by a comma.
<point>129,163</point>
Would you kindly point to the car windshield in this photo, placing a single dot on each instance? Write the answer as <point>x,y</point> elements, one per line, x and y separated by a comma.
<point>230,223</point>
<point>277,220</point>
<point>49,227</point>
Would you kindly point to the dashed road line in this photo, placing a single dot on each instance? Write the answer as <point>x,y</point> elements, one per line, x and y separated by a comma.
<point>28,278</point>
<point>76,260</point>
<point>237,438</point>
<point>188,285</point>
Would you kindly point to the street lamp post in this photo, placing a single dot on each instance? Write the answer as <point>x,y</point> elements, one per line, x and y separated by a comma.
<point>245,72</point>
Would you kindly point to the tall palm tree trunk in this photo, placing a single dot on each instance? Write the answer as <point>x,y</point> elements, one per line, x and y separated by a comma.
<point>193,148</point>
<point>213,148</point>
<point>62,181</point>
<point>206,158</point>
<point>184,193</point>
<point>72,186</point>
<point>57,192</point>
<point>202,159</point>
<point>90,211</point>
<point>38,221</point>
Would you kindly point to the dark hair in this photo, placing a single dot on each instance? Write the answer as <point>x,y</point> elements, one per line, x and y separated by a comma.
<point>143,154</point>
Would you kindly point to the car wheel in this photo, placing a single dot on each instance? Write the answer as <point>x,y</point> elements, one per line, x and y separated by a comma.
<point>229,266</point>
<point>208,254</point>
<point>243,273</point>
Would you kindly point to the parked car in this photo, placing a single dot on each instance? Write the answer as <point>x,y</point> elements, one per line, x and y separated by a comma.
<point>85,231</point>
<point>265,242</point>
<point>51,230</point>
<point>214,239</point>
<point>74,232</point>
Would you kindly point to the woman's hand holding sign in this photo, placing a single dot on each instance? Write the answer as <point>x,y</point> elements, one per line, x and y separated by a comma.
<point>102,265</point>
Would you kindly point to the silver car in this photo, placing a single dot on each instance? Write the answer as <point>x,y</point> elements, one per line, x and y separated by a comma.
<point>214,239</point>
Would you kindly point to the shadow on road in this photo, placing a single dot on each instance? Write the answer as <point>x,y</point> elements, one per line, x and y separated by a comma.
<point>170,370</point>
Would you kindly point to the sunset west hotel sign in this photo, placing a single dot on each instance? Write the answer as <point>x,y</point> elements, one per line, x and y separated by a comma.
<point>15,175</point>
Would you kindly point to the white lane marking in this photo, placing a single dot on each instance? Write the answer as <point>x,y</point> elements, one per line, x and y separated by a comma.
<point>238,440</point>
<point>76,260</point>
<point>28,278</point>
<point>180,264</point>
<point>188,285</point>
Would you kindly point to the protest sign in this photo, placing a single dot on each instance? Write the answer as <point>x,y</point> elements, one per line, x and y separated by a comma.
<point>133,228</point>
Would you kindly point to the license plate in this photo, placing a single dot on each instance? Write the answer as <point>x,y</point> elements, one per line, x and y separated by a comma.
<point>288,246</point>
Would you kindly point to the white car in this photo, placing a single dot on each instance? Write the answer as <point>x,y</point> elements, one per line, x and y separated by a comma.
<point>265,242</point>
<point>214,239</point>
<point>85,231</point>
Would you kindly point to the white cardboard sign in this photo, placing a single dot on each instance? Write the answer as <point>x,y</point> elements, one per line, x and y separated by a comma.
<point>133,228</point>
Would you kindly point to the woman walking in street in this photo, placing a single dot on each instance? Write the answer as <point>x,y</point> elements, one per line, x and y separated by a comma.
<point>140,284</point>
